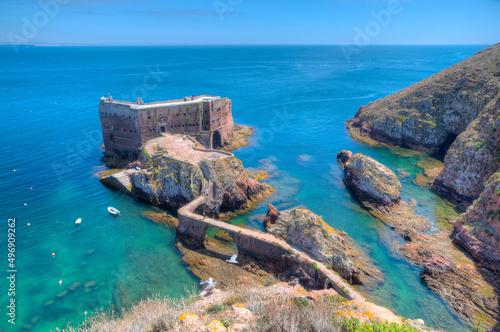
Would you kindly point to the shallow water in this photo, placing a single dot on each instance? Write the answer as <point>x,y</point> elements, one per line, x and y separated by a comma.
<point>296,97</point>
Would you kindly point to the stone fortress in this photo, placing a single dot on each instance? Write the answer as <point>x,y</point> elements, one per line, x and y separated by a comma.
<point>126,126</point>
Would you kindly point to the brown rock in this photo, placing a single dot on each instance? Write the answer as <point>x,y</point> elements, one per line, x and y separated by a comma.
<point>343,157</point>
<point>374,185</point>
<point>478,229</point>
<point>271,217</point>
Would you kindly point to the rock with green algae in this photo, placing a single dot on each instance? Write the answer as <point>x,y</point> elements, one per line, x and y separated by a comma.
<point>308,231</point>
<point>172,183</point>
<point>478,229</point>
<point>375,185</point>
<point>458,106</point>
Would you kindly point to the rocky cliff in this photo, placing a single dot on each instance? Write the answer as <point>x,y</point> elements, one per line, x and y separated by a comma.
<point>375,185</point>
<point>455,112</point>
<point>469,290</point>
<point>478,230</point>
<point>172,183</point>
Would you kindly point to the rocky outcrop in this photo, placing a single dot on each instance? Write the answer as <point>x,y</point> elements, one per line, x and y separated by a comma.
<point>478,229</point>
<point>172,183</point>
<point>308,231</point>
<point>456,112</point>
<point>375,185</point>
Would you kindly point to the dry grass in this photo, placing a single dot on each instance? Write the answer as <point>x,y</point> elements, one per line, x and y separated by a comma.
<point>297,314</point>
<point>271,313</point>
<point>154,314</point>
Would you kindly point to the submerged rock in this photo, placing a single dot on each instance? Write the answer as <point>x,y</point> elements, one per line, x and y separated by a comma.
<point>375,185</point>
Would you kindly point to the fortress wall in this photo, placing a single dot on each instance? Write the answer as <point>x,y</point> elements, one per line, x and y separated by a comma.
<point>148,123</point>
<point>222,118</point>
<point>120,129</point>
<point>179,119</point>
<point>206,123</point>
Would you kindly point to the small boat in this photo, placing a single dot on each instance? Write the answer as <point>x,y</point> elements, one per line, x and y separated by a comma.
<point>138,168</point>
<point>78,221</point>
<point>113,211</point>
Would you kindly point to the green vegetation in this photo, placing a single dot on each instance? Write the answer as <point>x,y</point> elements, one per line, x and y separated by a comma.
<point>300,302</point>
<point>149,159</point>
<point>477,325</point>
<point>353,325</point>
<point>216,308</point>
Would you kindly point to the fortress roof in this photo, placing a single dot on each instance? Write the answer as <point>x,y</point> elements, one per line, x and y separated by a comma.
<point>174,102</point>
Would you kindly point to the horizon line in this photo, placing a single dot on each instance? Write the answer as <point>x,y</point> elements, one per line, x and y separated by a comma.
<point>170,45</point>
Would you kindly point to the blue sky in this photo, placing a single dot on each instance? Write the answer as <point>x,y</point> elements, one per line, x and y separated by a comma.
<point>166,22</point>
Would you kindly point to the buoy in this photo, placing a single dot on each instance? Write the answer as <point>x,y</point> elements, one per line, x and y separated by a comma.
<point>29,224</point>
<point>14,170</point>
<point>24,204</point>
<point>60,282</point>
<point>31,188</point>
<point>53,254</point>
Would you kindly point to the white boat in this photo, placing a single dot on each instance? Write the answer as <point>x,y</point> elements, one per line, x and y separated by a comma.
<point>113,211</point>
<point>78,221</point>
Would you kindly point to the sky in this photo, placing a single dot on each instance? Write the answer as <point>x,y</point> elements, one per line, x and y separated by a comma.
<point>234,22</point>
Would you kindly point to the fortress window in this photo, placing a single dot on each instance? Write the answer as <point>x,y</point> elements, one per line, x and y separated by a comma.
<point>129,117</point>
<point>130,130</point>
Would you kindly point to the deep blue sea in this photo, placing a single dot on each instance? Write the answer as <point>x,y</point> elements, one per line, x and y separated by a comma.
<point>296,97</point>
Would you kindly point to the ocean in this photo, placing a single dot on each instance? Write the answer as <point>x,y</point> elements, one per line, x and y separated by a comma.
<point>296,97</point>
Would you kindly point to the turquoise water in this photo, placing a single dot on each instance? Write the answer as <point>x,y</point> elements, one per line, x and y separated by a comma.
<point>296,97</point>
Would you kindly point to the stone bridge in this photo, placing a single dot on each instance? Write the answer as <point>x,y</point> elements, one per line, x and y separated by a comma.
<point>259,245</point>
